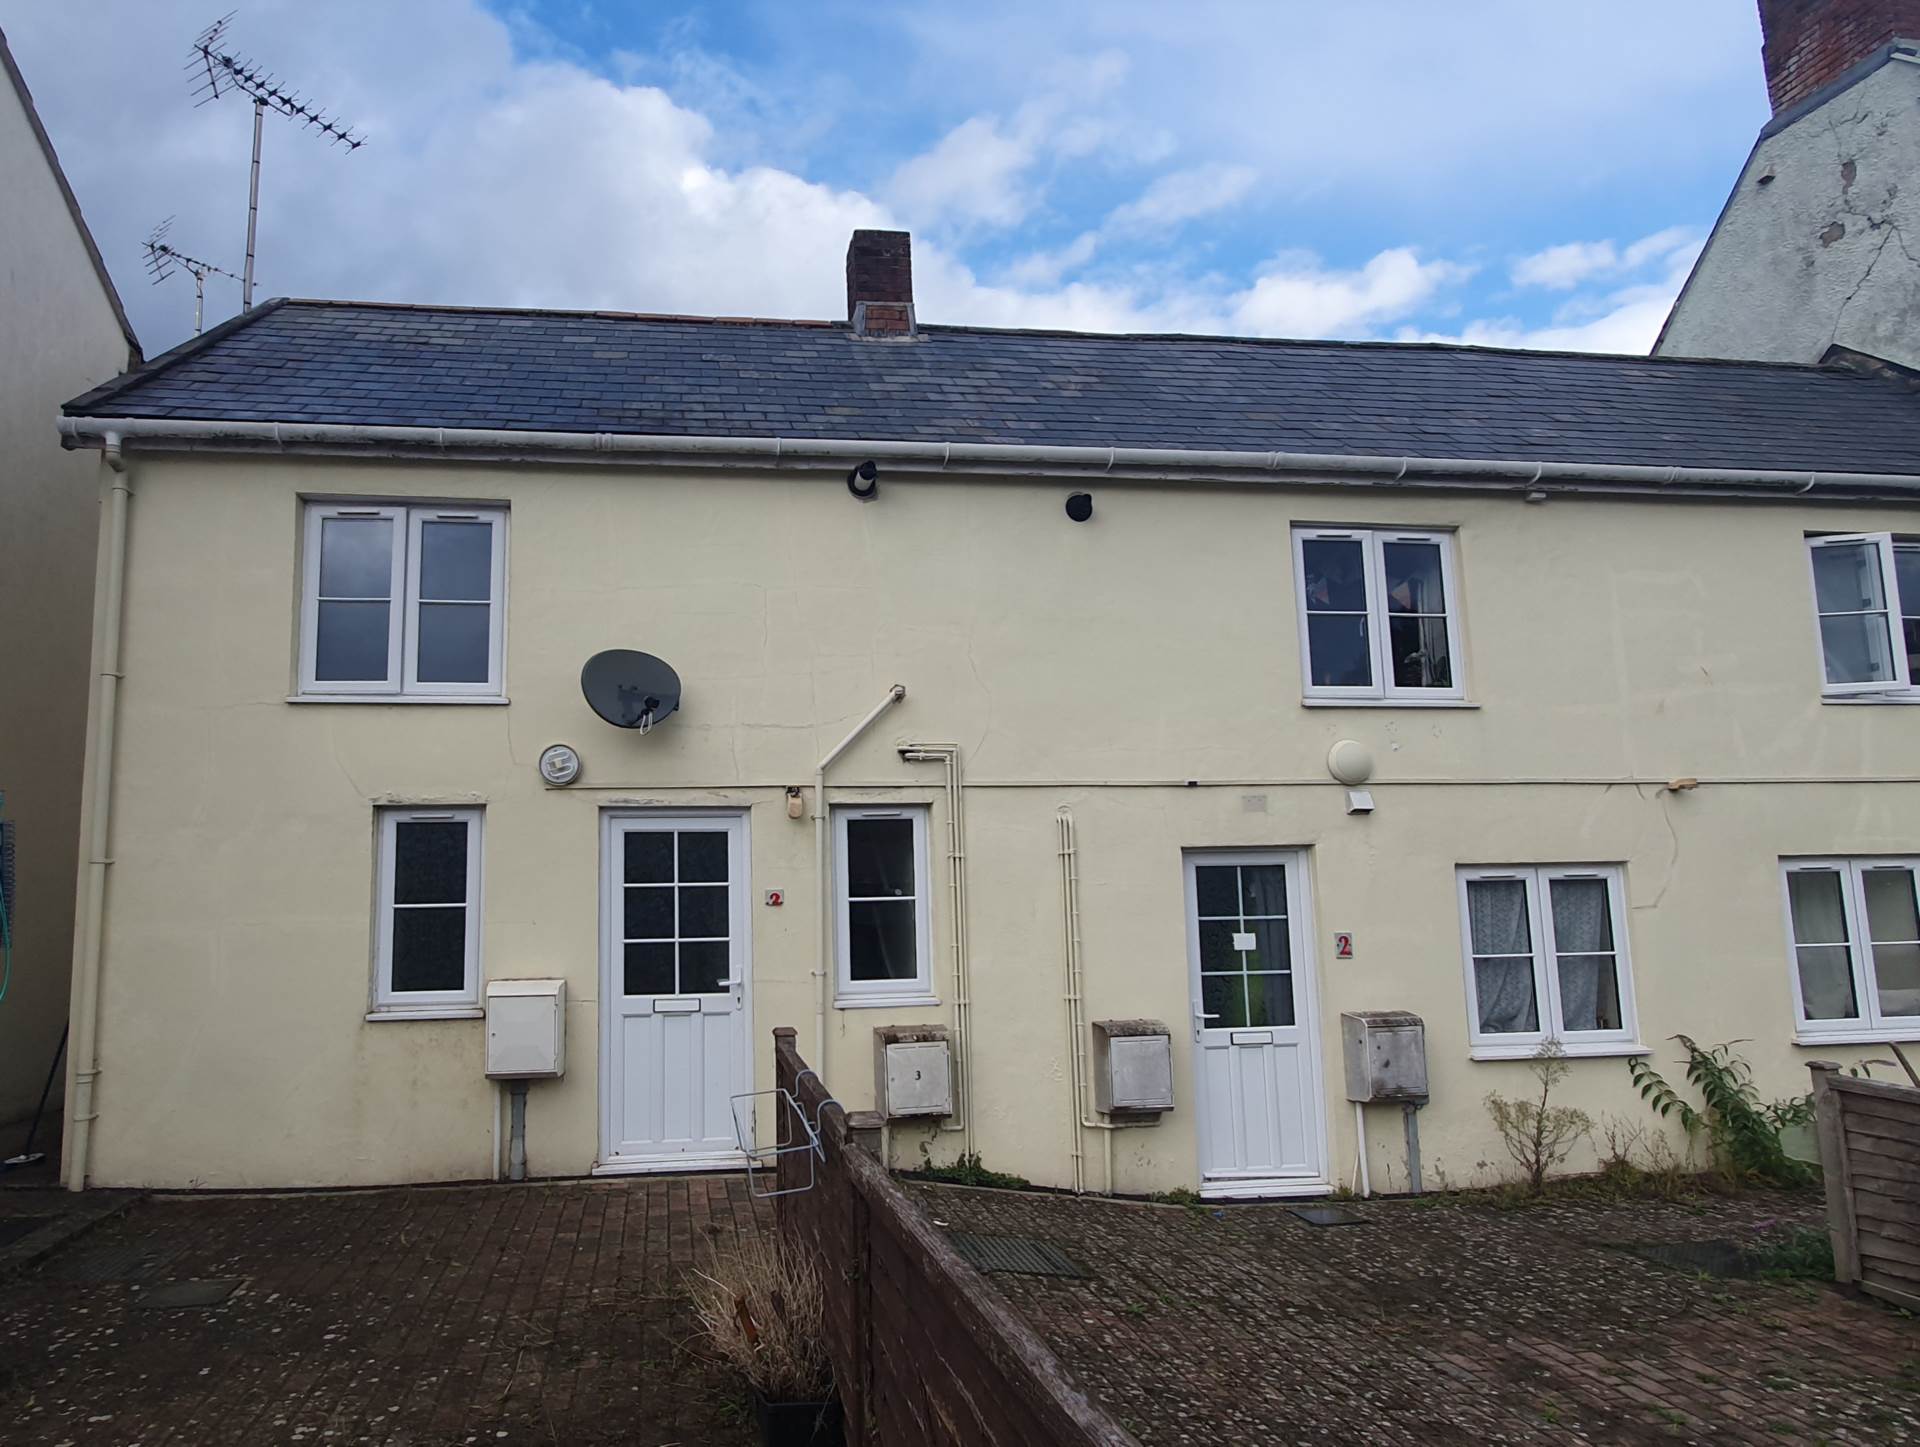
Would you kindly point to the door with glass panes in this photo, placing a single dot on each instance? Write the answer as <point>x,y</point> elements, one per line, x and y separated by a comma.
<point>674,1044</point>
<point>1256,1068</point>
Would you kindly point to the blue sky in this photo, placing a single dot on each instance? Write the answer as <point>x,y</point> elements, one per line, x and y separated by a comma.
<point>1493,170</point>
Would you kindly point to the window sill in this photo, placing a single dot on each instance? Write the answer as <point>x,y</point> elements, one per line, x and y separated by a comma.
<point>444,1012</point>
<point>884,1002</point>
<point>1872,700</point>
<point>1568,1051</point>
<point>1903,1035</point>
<point>460,698</point>
<point>1388,703</point>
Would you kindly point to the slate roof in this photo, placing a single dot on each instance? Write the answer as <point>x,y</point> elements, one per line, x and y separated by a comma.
<point>683,376</point>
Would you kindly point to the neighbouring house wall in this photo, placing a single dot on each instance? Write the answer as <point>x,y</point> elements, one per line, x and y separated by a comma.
<point>1096,667</point>
<point>1827,251</point>
<point>58,335</point>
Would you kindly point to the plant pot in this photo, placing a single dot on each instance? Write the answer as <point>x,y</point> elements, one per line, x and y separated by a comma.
<point>799,1424</point>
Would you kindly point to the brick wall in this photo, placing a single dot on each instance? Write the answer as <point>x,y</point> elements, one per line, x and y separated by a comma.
<point>1812,42</point>
<point>924,1351</point>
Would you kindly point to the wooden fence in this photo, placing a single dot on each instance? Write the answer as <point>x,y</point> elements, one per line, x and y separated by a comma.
<point>923,1350</point>
<point>1870,1153</point>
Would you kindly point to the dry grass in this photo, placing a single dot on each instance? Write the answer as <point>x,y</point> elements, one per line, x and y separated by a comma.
<point>761,1308</point>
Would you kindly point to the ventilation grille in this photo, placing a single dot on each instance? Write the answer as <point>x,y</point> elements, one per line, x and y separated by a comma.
<point>1020,1255</point>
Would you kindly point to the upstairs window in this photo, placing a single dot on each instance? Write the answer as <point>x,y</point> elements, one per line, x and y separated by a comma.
<point>402,601</point>
<point>1855,929</point>
<point>1866,593</point>
<point>1379,614</point>
<point>882,926</point>
<point>1546,954</point>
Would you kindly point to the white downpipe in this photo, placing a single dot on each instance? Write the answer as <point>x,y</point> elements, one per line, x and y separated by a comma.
<point>109,595</point>
<point>1008,459</point>
<point>823,875</point>
<point>1360,1149</point>
<point>1084,1116</point>
<point>949,755</point>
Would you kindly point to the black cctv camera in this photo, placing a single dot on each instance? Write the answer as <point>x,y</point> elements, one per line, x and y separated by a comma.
<point>864,481</point>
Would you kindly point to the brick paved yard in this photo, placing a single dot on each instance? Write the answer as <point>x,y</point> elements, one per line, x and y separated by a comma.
<point>494,1314</point>
<point>1448,1323</point>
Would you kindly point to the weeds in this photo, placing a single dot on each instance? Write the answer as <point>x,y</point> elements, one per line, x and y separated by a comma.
<point>761,1306</point>
<point>966,1170</point>
<point>1742,1130</point>
<point>1538,1134</point>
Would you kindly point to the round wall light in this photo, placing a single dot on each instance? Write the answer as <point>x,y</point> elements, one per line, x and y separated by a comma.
<point>1080,506</point>
<point>1350,762</point>
<point>559,765</point>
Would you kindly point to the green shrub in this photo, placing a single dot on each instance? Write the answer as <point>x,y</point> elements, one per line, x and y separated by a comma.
<point>1742,1130</point>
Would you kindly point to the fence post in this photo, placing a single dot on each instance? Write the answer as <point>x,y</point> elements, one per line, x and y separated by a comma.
<point>1830,1129</point>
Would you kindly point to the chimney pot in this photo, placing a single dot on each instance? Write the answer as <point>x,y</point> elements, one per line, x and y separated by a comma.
<point>1809,44</point>
<point>880,283</point>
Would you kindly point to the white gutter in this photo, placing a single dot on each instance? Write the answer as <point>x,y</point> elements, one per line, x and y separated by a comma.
<point>922,458</point>
<point>823,874</point>
<point>109,592</point>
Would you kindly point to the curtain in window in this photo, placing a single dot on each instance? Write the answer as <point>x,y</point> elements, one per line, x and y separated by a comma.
<point>1502,956</point>
<point>1893,928</point>
<point>1583,936</point>
<point>1820,944</point>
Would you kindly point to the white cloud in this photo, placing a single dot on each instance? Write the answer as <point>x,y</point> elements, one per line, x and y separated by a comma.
<point>1565,266</point>
<point>1622,319</point>
<point>1297,296</point>
<point>1184,195</point>
<point>977,173</point>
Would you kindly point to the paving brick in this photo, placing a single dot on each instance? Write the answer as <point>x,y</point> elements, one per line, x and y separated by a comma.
<point>427,1317</point>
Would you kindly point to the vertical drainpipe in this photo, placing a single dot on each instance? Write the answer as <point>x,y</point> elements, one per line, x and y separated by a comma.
<point>109,594</point>
<point>949,755</point>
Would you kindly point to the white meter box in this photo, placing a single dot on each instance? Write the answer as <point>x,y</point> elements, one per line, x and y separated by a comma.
<point>526,1029</point>
<point>912,1071</point>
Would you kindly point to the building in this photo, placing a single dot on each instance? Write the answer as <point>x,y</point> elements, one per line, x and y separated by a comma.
<point>61,329</point>
<point>1540,695</point>
<point>1818,247</point>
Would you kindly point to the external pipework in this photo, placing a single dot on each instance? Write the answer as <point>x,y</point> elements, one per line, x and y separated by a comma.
<point>108,597</point>
<point>961,1040</point>
<point>823,874</point>
<point>1079,1068</point>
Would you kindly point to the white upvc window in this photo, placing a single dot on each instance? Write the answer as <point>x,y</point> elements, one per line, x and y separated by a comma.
<point>427,937</point>
<point>406,602</point>
<point>1866,599</point>
<point>1546,958</point>
<point>1854,929</point>
<point>1379,614</point>
<point>882,929</point>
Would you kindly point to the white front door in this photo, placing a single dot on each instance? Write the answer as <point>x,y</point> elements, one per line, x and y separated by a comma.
<point>674,1048</point>
<point>1256,1055</point>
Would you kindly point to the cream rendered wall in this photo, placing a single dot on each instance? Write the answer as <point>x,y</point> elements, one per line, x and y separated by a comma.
<point>59,336</point>
<point>1093,666</point>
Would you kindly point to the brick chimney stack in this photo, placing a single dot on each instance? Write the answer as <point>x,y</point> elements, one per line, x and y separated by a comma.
<point>880,282</point>
<point>1811,43</point>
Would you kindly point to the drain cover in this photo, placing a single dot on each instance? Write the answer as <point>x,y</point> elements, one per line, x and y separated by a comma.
<point>1713,1258</point>
<point>1021,1255</point>
<point>210,1292</point>
<point>111,1263</point>
<point>14,1228</point>
<point>1328,1215</point>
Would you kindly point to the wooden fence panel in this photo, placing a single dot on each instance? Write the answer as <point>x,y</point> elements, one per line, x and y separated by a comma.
<point>925,1353</point>
<point>1869,1133</point>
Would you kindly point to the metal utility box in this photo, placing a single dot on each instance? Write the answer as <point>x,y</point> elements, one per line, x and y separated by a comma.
<point>1132,1067</point>
<point>1386,1052</point>
<point>526,1029</point>
<point>912,1071</point>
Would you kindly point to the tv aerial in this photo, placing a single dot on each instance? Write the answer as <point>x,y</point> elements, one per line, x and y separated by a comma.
<point>218,72</point>
<point>164,258</point>
<point>630,690</point>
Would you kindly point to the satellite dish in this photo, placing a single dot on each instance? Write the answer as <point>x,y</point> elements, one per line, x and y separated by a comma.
<point>630,690</point>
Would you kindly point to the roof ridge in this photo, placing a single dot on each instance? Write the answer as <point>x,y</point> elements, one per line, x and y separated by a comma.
<point>191,347</point>
<point>1379,344</point>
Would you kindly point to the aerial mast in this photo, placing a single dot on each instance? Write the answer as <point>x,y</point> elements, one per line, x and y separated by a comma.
<point>163,258</point>
<point>218,72</point>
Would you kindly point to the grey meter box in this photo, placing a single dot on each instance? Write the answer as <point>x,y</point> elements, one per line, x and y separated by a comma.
<point>1132,1067</point>
<point>1386,1053</point>
<point>912,1071</point>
